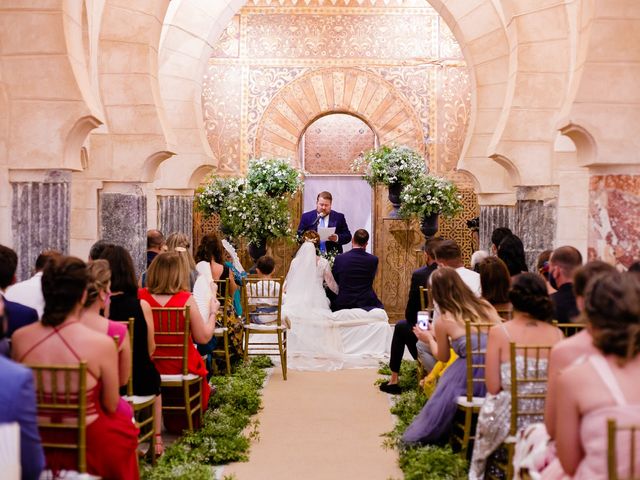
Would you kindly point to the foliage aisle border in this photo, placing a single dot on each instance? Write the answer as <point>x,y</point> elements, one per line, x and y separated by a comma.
<point>418,463</point>
<point>227,428</point>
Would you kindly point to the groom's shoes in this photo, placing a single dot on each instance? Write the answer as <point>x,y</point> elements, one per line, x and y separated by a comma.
<point>392,388</point>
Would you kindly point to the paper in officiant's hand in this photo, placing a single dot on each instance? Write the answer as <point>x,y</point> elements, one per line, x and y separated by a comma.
<point>326,232</point>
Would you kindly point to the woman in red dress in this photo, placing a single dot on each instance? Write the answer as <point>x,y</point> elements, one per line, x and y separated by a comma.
<point>168,286</point>
<point>62,339</point>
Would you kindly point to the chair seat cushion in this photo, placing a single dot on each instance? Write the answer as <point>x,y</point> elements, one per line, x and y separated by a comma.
<point>179,377</point>
<point>264,328</point>
<point>220,330</point>
<point>138,399</point>
<point>475,402</point>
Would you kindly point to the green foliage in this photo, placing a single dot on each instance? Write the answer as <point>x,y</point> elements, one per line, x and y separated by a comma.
<point>212,197</point>
<point>432,463</point>
<point>390,164</point>
<point>428,194</point>
<point>261,361</point>
<point>274,176</point>
<point>408,374</point>
<point>226,431</point>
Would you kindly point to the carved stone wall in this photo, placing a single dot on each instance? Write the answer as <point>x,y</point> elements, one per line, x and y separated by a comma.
<point>175,214</point>
<point>492,217</point>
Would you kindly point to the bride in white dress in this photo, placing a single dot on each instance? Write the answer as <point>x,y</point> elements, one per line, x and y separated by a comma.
<point>320,339</point>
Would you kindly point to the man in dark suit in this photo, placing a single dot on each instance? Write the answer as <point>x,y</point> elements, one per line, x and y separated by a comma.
<point>323,216</point>
<point>564,261</point>
<point>18,315</point>
<point>354,272</point>
<point>403,332</point>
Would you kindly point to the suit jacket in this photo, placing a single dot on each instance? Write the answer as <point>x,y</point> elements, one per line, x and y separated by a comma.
<point>18,400</point>
<point>564,302</point>
<point>419,278</point>
<point>18,316</point>
<point>354,272</point>
<point>309,221</point>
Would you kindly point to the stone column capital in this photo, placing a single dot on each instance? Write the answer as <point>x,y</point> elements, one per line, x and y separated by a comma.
<point>39,175</point>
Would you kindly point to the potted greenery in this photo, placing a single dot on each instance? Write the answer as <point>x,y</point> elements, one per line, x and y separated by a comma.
<point>394,166</point>
<point>428,196</point>
<point>256,207</point>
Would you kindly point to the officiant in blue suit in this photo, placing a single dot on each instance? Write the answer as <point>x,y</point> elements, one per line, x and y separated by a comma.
<point>324,217</point>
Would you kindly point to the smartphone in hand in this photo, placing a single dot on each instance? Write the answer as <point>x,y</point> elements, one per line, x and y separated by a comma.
<point>424,320</point>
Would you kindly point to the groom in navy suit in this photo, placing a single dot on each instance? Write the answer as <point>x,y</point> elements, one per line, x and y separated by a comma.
<point>354,272</point>
<point>323,216</point>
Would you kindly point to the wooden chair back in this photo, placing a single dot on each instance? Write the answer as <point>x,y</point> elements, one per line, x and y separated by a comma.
<point>172,334</point>
<point>569,329</point>
<point>426,300</point>
<point>261,293</point>
<point>476,349</point>
<point>630,442</point>
<point>529,388</point>
<point>61,400</point>
<point>226,304</point>
<point>129,324</point>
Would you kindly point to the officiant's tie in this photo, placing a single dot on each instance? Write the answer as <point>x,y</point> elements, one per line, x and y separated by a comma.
<point>322,224</point>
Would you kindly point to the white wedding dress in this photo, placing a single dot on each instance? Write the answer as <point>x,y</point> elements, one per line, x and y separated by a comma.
<point>322,340</point>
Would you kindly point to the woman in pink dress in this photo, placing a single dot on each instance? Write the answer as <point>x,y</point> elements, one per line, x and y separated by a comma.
<point>605,386</point>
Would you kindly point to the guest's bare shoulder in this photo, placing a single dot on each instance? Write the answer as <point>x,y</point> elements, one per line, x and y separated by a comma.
<point>565,352</point>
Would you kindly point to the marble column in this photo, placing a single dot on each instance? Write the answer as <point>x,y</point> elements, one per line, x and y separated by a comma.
<point>123,219</point>
<point>175,214</point>
<point>614,219</point>
<point>492,217</point>
<point>40,211</point>
<point>536,219</point>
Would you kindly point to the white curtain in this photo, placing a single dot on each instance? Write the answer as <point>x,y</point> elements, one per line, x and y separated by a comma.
<point>351,196</point>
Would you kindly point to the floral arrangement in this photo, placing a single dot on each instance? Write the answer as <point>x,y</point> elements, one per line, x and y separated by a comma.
<point>390,164</point>
<point>428,194</point>
<point>255,216</point>
<point>330,256</point>
<point>275,176</point>
<point>256,207</point>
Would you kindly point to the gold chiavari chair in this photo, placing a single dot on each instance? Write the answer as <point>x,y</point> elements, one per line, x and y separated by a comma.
<point>143,406</point>
<point>631,442</point>
<point>221,331</point>
<point>426,300</point>
<point>262,311</point>
<point>569,329</point>
<point>172,334</point>
<point>528,393</point>
<point>469,405</point>
<point>61,401</point>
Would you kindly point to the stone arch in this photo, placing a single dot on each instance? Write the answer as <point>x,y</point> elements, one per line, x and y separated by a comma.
<point>586,147</point>
<point>336,90</point>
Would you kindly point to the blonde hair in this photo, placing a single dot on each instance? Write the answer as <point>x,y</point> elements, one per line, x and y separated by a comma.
<point>179,242</point>
<point>99,280</point>
<point>166,274</point>
<point>454,296</point>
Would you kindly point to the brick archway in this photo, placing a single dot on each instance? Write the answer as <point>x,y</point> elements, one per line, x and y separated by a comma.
<point>335,90</point>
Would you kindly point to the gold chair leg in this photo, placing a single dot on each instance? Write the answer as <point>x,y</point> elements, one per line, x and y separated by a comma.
<point>187,406</point>
<point>245,354</point>
<point>226,352</point>
<point>466,436</point>
<point>283,360</point>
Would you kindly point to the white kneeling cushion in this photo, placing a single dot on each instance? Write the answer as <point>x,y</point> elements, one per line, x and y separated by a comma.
<point>352,317</point>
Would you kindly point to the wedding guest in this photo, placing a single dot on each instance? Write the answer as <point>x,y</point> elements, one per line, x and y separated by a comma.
<point>495,282</point>
<point>605,386</point>
<point>575,348</point>
<point>17,315</point>
<point>477,257</point>
<point>496,237</point>
<point>354,273</point>
<point>448,254</point>
<point>179,242</point>
<point>456,303</point>
<point>562,264</point>
<point>18,400</point>
<point>155,244</point>
<point>97,299</point>
<point>530,325</point>
<point>29,292</point>
<point>168,287</point>
<point>403,335</point>
<point>210,261</point>
<point>97,248</point>
<point>511,252</point>
<point>123,305</point>
<point>542,265</point>
<point>62,339</point>
<point>324,217</point>
<point>233,262</point>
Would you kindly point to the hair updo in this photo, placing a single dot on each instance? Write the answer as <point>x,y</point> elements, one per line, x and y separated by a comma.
<point>529,295</point>
<point>612,307</point>
<point>210,248</point>
<point>311,236</point>
<point>99,280</point>
<point>64,281</point>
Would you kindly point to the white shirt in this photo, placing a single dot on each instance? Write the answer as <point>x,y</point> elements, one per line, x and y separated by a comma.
<point>471,279</point>
<point>28,292</point>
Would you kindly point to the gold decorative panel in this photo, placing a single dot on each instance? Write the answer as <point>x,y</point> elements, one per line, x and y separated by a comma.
<point>332,142</point>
